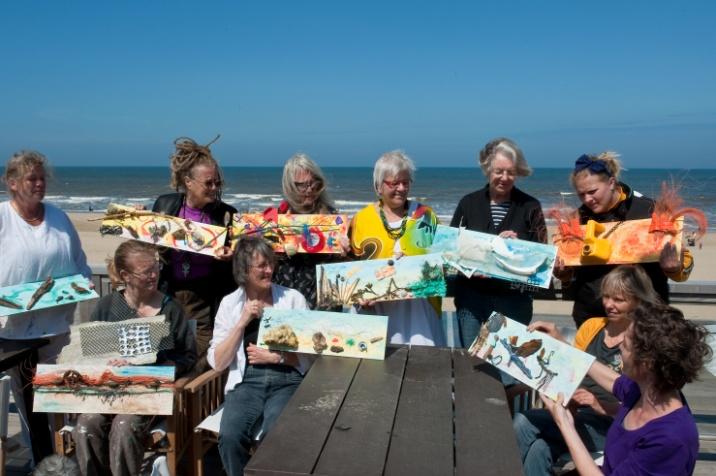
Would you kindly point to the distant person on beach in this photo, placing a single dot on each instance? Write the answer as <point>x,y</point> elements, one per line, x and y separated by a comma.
<point>115,443</point>
<point>654,431</point>
<point>305,192</point>
<point>260,381</point>
<point>393,227</point>
<point>604,198</point>
<point>538,437</point>
<point>198,282</point>
<point>37,240</point>
<point>499,208</point>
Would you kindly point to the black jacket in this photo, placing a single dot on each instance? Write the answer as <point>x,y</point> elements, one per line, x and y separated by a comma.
<point>587,281</point>
<point>524,217</point>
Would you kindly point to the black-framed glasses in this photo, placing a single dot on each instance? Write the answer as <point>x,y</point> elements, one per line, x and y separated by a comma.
<point>308,185</point>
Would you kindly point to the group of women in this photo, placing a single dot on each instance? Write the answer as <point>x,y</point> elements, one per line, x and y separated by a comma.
<point>617,313</point>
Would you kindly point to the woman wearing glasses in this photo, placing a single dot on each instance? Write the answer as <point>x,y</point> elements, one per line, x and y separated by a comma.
<point>198,282</point>
<point>499,208</point>
<point>304,190</point>
<point>115,444</point>
<point>390,228</point>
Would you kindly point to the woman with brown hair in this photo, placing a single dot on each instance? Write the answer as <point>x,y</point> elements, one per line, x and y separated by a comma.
<point>198,282</point>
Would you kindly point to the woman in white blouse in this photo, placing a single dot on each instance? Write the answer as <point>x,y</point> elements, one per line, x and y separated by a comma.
<point>260,381</point>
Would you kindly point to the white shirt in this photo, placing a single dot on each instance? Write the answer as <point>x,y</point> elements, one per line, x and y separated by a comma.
<point>228,316</point>
<point>32,253</point>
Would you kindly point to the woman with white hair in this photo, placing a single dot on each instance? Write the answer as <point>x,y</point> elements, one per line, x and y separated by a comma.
<point>390,228</point>
<point>305,192</point>
<point>499,208</point>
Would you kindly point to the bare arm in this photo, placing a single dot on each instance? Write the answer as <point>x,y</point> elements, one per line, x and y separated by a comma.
<point>603,375</point>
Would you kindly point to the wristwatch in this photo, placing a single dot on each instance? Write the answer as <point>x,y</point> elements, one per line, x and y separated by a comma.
<point>283,359</point>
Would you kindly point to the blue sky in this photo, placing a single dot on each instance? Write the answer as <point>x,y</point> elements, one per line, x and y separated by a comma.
<point>113,83</point>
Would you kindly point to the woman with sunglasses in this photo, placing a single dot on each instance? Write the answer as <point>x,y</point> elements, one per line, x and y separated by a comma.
<point>499,208</point>
<point>109,444</point>
<point>391,228</point>
<point>604,198</point>
<point>198,282</point>
<point>305,192</point>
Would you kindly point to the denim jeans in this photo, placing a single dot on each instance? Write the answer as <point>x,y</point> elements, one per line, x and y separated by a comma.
<point>262,394</point>
<point>541,443</point>
<point>475,307</point>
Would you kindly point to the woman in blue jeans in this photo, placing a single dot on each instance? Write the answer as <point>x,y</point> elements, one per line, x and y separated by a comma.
<point>260,381</point>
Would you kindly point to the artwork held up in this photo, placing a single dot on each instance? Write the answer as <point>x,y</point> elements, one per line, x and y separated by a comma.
<point>43,294</point>
<point>293,234</point>
<point>132,390</point>
<point>409,277</point>
<point>163,230</point>
<point>473,252</point>
<point>324,333</point>
<point>534,358</point>
<point>136,340</point>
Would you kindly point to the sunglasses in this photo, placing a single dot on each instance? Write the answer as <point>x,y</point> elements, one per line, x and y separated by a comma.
<point>210,183</point>
<point>308,185</point>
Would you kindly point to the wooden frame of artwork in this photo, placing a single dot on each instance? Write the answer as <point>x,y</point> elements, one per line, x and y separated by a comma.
<point>324,333</point>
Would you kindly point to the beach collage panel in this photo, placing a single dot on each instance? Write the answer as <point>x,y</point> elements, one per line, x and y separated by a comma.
<point>51,292</point>
<point>324,333</point>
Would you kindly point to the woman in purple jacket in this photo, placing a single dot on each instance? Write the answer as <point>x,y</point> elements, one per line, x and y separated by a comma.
<point>654,431</point>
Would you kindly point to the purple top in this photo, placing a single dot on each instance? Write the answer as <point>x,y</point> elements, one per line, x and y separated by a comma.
<point>188,266</point>
<point>667,445</point>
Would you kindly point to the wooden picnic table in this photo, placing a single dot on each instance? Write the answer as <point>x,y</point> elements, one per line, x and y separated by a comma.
<point>422,410</point>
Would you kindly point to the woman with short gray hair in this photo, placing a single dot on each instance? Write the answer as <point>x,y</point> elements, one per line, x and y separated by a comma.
<point>390,228</point>
<point>499,208</point>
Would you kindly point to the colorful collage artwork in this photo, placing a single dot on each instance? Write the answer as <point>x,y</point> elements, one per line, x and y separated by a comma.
<point>325,333</point>
<point>292,234</point>
<point>43,294</point>
<point>163,230</point>
<point>409,277</point>
<point>534,358</point>
<point>473,252</point>
<point>133,390</point>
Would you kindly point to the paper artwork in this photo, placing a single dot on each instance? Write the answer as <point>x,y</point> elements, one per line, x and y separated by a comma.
<point>534,358</point>
<point>324,333</point>
<point>133,390</point>
<point>409,277</point>
<point>136,340</point>
<point>473,252</point>
<point>163,230</point>
<point>43,294</point>
<point>292,234</point>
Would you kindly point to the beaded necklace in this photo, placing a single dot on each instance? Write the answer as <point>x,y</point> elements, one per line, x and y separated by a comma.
<point>394,233</point>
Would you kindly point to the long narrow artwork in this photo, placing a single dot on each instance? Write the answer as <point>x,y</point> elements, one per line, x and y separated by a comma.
<point>534,358</point>
<point>136,340</point>
<point>43,294</point>
<point>324,333</point>
<point>163,230</point>
<point>409,277</point>
<point>132,390</point>
<point>292,234</point>
<point>473,252</point>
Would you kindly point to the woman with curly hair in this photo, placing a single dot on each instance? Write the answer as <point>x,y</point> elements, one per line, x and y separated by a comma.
<point>654,431</point>
<point>198,282</point>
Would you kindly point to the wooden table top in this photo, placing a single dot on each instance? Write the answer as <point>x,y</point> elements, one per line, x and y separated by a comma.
<point>422,410</point>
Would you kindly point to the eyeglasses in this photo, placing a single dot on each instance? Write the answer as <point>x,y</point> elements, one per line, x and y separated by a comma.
<point>266,265</point>
<point>393,184</point>
<point>308,185</point>
<point>147,273</point>
<point>210,183</point>
<point>511,173</point>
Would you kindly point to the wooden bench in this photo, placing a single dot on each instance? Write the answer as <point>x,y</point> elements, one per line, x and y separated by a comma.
<point>423,410</point>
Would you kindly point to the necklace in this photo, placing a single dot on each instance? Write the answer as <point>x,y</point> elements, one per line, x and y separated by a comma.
<point>30,220</point>
<point>394,233</point>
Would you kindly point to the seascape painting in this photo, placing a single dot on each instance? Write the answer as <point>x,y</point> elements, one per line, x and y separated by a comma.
<point>534,358</point>
<point>476,253</point>
<point>324,333</point>
<point>292,234</point>
<point>43,294</point>
<point>132,390</point>
<point>409,277</point>
<point>163,230</point>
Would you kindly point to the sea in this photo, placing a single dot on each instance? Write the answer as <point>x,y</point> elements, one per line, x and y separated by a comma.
<point>252,189</point>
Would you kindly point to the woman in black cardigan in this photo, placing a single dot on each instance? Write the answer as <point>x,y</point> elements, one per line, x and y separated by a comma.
<point>501,209</point>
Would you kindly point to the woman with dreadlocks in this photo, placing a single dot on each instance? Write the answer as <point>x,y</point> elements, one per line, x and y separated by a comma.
<point>197,282</point>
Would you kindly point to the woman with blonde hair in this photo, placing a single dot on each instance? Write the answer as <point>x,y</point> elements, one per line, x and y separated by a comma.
<point>198,282</point>
<point>605,198</point>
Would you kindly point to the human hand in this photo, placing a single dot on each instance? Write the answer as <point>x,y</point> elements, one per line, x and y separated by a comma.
<point>367,303</point>
<point>139,206</point>
<point>118,362</point>
<point>548,328</point>
<point>225,253</point>
<point>507,234</point>
<point>669,260</point>
<point>562,416</point>
<point>584,398</point>
<point>560,271</point>
<point>345,245</point>
<point>253,309</point>
<point>260,356</point>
